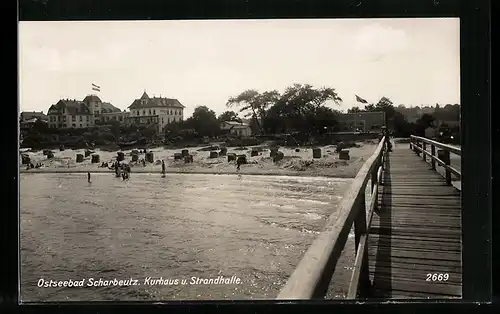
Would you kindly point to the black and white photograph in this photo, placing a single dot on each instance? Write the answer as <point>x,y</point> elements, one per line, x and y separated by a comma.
<point>287,159</point>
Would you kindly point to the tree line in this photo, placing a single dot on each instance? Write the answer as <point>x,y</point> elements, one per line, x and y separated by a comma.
<point>300,109</point>
<point>422,117</point>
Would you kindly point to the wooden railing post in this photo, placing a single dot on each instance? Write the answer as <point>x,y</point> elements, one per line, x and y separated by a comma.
<point>433,153</point>
<point>374,179</point>
<point>360,229</point>
<point>446,159</point>
<point>424,147</point>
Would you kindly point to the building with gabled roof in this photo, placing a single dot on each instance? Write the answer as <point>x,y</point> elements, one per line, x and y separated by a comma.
<point>73,113</point>
<point>158,111</point>
<point>237,128</point>
<point>372,121</point>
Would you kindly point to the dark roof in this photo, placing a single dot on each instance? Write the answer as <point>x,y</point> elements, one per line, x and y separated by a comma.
<point>28,115</point>
<point>91,98</point>
<point>73,107</point>
<point>107,107</point>
<point>155,102</point>
<point>144,96</point>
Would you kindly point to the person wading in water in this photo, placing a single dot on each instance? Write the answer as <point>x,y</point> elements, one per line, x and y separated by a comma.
<point>239,162</point>
<point>88,177</point>
<point>163,167</point>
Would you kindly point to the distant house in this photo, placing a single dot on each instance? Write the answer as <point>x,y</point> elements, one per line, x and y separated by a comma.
<point>236,128</point>
<point>158,111</point>
<point>28,119</point>
<point>372,121</point>
<point>30,115</point>
<point>25,125</point>
<point>111,113</point>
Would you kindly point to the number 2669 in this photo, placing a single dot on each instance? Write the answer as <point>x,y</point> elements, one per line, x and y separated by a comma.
<point>437,277</point>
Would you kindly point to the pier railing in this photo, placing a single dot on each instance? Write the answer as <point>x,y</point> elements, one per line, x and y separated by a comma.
<point>312,277</point>
<point>420,145</point>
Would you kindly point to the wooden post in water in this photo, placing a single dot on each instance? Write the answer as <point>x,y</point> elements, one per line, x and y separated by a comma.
<point>447,172</point>
<point>433,153</point>
<point>359,230</point>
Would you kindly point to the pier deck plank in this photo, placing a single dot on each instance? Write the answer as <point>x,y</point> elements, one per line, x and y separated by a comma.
<point>416,231</point>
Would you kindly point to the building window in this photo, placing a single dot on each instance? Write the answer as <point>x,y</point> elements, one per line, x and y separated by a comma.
<point>87,118</point>
<point>80,125</point>
<point>149,112</point>
<point>137,112</point>
<point>154,111</point>
<point>73,118</point>
<point>81,118</point>
<point>144,112</point>
<point>162,120</point>
<point>168,119</point>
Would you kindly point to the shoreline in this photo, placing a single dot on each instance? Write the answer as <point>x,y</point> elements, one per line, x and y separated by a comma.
<point>298,163</point>
<point>200,171</point>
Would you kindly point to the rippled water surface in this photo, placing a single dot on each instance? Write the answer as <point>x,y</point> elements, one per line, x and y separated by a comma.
<point>253,227</point>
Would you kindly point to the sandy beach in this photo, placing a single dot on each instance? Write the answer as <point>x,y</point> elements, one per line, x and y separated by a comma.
<point>294,163</point>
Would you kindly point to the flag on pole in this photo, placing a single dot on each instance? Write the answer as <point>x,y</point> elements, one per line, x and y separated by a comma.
<point>96,88</point>
<point>361,100</point>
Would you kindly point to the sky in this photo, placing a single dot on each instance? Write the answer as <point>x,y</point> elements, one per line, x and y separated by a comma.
<point>410,61</point>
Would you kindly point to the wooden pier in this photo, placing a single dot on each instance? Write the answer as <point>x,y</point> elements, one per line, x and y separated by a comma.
<point>407,238</point>
<point>415,237</point>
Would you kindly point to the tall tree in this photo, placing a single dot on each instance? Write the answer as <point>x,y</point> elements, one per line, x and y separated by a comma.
<point>253,104</point>
<point>228,116</point>
<point>302,108</point>
<point>307,95</point>
<point>204,121</point>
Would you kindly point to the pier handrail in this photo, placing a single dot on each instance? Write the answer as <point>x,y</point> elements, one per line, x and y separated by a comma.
<point>312,276</point>
<point>419,145</point>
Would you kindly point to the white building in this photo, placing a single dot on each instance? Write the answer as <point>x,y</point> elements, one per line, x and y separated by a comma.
<point>236,128</point>
<point>72,113</point>
<point>157,111</point>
